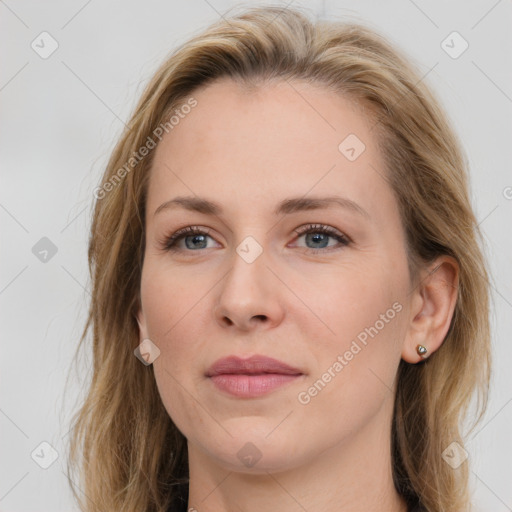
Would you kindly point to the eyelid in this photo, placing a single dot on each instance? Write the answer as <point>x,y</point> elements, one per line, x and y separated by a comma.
<point>168,241</point>
<point>342,239</point>
<point>321,228</point>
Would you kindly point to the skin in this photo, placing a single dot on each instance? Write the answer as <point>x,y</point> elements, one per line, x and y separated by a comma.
<point>247,152</point>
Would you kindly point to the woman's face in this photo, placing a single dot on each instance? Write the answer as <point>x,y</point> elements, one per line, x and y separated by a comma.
<point>333,305</point>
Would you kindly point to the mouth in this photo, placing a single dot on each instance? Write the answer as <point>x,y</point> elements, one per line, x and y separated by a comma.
<point>252,377</point>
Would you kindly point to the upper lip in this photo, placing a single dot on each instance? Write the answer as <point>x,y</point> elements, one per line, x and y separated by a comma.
<point>256,364</point>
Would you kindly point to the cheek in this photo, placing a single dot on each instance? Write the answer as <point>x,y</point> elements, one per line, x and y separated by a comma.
<point>354,376</point>
<point>356,366</point>
<point>170,298</point>
<point>348,300</point>
<point>171,307</point>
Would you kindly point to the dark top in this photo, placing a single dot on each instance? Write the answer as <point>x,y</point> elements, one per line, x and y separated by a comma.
<point>415,508</point>
<point>181,503</point>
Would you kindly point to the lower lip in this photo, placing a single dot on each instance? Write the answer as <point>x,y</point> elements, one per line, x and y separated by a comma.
<point>250,386</point>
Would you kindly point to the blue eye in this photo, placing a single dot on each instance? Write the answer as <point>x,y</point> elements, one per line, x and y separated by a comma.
<point>196,238</point>
<point>319,234</point>
<point>197,235</point>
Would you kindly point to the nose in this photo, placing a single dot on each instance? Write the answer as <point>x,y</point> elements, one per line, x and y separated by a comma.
<point>249,296</point>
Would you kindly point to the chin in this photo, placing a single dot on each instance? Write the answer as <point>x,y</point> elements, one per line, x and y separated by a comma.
<point>251,452</point>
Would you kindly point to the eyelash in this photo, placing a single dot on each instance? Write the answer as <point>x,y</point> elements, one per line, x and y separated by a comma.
<point>169,242</point>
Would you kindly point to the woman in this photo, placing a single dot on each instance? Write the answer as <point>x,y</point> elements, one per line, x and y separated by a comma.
<point>290,304</point>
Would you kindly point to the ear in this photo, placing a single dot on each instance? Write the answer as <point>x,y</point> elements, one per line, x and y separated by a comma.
<point>432,305</point>
<point>141,320</point>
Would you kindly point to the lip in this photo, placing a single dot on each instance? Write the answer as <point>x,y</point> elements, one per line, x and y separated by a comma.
<point>251,377</point>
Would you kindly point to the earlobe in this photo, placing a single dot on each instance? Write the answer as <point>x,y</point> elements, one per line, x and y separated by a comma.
<point>433,305</point>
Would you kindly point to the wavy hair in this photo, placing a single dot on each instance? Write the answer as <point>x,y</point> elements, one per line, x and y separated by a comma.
<point>125,450</point>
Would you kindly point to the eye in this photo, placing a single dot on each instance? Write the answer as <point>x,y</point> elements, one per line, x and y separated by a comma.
<point>318,235</point>
<point>193,236</point>
<point>196,238</point>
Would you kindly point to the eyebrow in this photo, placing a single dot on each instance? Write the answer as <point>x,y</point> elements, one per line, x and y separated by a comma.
<point>285,207</point>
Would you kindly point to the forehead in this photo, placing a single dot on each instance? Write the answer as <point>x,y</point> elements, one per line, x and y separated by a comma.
<point>286,138</point>
<point>268,116</point>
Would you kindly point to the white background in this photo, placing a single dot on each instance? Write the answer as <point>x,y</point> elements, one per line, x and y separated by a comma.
<point>60,117</point>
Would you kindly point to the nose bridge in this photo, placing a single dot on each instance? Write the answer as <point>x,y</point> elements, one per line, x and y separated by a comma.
<point>248,266</point>
<point>246,292</point>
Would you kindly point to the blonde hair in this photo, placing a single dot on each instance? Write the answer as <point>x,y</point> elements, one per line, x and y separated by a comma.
<point>129,454</point>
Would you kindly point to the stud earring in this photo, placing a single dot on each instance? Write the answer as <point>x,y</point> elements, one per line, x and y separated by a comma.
<point>421,351</point>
